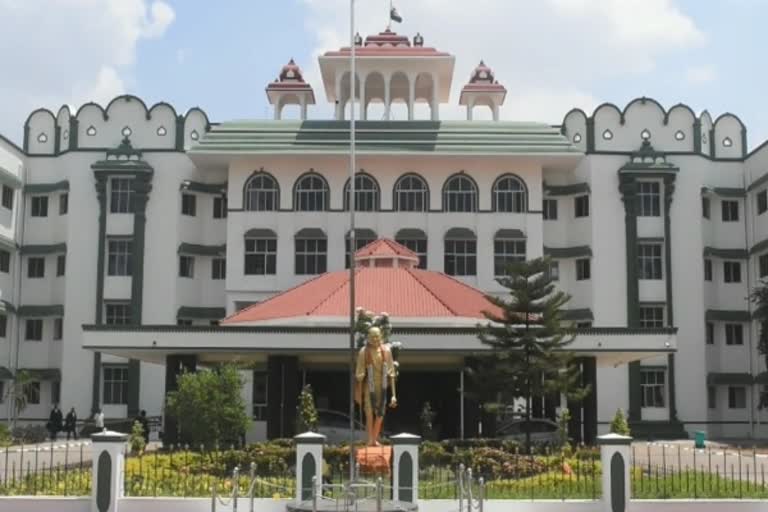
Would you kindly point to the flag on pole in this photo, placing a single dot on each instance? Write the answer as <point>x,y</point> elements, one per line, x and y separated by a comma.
<point>395,16</point>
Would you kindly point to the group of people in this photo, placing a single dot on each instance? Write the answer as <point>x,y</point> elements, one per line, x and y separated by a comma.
<point>57,422</point>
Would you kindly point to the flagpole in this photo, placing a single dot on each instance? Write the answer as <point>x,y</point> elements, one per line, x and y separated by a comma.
<point>352,238</point>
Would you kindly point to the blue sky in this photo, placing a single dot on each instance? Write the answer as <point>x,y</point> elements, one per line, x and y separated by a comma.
<point>551,54</point>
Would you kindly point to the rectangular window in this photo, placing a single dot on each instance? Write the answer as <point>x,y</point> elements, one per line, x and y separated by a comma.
<point>651,316</point>
<point>762,201</point>
<point>737,397</point>
<point>707,270</point>
<point>582,206</point>
<point>652,388</point>
<point>39,206</point>
<point>259,395</point>
<point>710,333</point>
<point>187,266</point>
<point>220,207</point>
<point>219,268</point>
<point>117,313</point>
<point>261,256</point>
<point>3,326</point>
<point>554,270</point>
<point>8,193</point>
<point>61,264</point>
<point>506,252</point>
<point>649,199</point>
<point>730,211</point>
<point>32,392</point>
<point>550,209</point>
<point>311,256</point>
<point>120,257</point>
<point>649,261</point>
<point>762,263</point>
<point>188,204</point>
<point>583,270</point>
<point>711,397</point>
<point>732,271</point>
<point>460,257</point>
<point>34,329</point>
<point>63,203</point>
<point>734,334</point>
<point>183,321</point>
<point>121,195</point>
<point>705,207</point>
<point>58,328</point>
<point>35,268</point>
<point>417,245</point>
<point>5,261</point>
<point>115,384</point>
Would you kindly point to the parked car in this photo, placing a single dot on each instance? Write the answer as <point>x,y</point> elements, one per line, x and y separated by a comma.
<point>334,425</point>
<point>542,430</point>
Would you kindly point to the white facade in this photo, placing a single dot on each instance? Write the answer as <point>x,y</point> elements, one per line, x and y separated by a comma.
<point>711,162</point>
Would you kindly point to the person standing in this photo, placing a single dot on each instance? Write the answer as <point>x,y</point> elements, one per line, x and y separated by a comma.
<point>144,422</point>
<point>55,421</point>
<point>70,424</point>
<point>98,418</point>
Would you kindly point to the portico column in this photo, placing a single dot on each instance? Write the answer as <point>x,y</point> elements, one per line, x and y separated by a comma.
<point>589,368</point>
<point>470,106</point>
<point>363,106</point>
<point>387,98</point>
<point>495,109</point>
<point>175,365</point>
<point>339,103</point>
<point>303,108</point>
<point>411,97</point>
<point>278,104</point>
<point>435,103</point>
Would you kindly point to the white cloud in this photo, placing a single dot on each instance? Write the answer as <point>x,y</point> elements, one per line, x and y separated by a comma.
<point>700,74</point>
<point>547,53</point>
<point>71,51</point>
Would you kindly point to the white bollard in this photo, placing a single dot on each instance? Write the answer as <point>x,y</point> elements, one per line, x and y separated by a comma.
<point>309,465</point>
<point>108,470</point>
<point>614,459</point>
<point>405,467</point>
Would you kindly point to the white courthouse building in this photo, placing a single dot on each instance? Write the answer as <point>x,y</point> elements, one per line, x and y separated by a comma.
<point>128,232</point>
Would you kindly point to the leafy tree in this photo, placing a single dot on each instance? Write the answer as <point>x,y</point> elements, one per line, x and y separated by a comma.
<point>209,407</point>
<point>306,413</point>
<point>136,440</point>
<point>528,340</point>
<point>760,299</point>
<point>619,423</point>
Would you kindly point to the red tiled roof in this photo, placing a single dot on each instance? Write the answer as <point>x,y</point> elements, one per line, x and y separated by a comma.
<point>385,247</point>
<point>400,291</point>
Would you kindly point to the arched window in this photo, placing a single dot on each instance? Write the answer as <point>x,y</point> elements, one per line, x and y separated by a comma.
<point>366,194</point>
<point>415,240</point>
<point>508,248</point>
<point>411,194</point>
<point>460,252</point>
<point>460,194</point>
<point>261,193</point>
<point>260,252</point>
<point>311,256</point>
<point>509,195</point>
<point>311,194</point>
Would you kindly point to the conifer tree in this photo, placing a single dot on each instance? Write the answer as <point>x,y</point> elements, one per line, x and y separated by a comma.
<point>528,342</point>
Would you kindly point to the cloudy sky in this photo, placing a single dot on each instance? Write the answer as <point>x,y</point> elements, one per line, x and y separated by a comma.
<point>551,54</point>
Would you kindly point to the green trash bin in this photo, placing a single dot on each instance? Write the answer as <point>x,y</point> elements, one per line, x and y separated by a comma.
<point>700,438</point>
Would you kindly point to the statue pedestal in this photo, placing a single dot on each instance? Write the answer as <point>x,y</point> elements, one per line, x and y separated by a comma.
<point>374,460</point>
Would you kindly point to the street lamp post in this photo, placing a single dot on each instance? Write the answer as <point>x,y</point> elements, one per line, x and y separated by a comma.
<point>352,238</point>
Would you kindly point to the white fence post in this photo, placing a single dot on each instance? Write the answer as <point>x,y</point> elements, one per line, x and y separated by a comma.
<point>309,465</point>
<point>614,459</point>
<point>108,470</point>
<point>405,467</point>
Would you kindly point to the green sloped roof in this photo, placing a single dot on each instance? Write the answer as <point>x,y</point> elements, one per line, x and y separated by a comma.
<point>384,137</point>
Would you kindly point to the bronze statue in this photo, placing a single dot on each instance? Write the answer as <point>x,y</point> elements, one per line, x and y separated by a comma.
<point>375,373</point>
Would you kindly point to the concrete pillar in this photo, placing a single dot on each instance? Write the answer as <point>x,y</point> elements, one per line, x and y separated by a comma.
<point>405,468</point>
<point>387,98</point>
<point>304,108</point>
<point>495,110</point>
<point>435,101</point>
<point>309,465</point>
<point>411,97</point>
<point>469,111</point>
<point>614,458</point>
<point>108,470</point>
<point>362,95</point>
<point>278,108</point>
<point>339,102</point>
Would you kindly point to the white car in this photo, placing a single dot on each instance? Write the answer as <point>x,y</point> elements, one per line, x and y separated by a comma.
<point>542,430</point>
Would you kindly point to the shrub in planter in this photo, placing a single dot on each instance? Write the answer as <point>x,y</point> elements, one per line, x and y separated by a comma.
<point>434,454</point>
